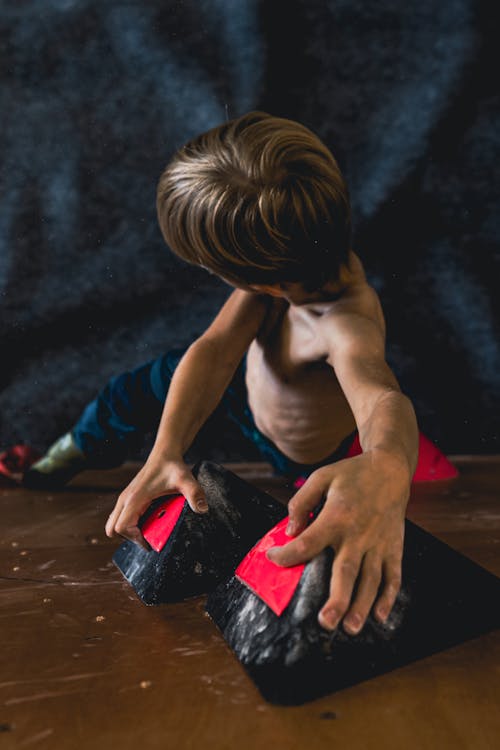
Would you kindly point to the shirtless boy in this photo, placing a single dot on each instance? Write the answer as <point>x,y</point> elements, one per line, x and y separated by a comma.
<point>261,202</point>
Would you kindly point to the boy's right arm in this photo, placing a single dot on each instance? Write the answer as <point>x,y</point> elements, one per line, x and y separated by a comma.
<point>202,376</point>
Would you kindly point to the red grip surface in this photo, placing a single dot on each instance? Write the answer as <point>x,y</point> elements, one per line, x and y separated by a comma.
<point>274,584</point>
<point>158,527</point>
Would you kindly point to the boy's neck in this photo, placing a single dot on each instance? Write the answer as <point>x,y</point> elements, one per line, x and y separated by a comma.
<point>349,274</point>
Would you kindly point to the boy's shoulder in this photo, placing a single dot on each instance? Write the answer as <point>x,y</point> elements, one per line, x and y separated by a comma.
<point>356,309</point>
<point>352,293</point>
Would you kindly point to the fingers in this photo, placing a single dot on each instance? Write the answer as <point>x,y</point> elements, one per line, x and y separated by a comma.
<point>123,520</point>
<point>192,491</point>
<point>303,502</point>
<point>113,517</point>
<point>134,500</point>
<point>392,585</point>
<point>392,571</point>
<point>371,574</point>
<point>302,548</point>
<point>344,573</point>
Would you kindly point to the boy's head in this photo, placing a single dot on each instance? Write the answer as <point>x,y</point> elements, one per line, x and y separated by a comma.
<point>259,200</point>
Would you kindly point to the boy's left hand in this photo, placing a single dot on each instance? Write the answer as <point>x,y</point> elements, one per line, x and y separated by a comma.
<point>363,520</point>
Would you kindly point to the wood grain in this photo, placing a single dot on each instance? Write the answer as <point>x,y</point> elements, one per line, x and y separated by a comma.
<point>85,664</point>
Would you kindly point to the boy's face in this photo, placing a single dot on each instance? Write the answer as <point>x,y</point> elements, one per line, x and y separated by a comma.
<point>293,291</point>
<point>295,294</point>
<point>273,290</point>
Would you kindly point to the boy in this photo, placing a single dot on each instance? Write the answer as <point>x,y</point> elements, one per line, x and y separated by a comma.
<point>260,201</point>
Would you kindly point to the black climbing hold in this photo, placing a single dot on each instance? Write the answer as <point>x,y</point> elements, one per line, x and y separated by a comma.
<point>203,549</point>
<point>445,599</point>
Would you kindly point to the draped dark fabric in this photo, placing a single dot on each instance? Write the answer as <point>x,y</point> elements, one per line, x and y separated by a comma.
<point>94,98</point>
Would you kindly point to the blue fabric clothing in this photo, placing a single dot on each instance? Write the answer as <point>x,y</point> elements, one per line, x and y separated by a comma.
<point>131,404</point>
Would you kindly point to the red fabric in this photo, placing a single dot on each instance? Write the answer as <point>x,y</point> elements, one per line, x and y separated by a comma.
<point>299,482</point>
<point>274,584</point>
<point>160,524</point>
<point>16,460</point>
<point>432,464</point>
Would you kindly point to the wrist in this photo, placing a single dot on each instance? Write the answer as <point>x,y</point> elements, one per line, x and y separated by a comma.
<point>173,439</point>
<point>392,461</point>
<point>166,453</point>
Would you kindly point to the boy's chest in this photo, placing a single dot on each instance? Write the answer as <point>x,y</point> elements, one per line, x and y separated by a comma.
<point>292,339</point>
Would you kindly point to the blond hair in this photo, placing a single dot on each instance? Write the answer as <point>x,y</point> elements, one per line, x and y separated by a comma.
<point>258,200</point>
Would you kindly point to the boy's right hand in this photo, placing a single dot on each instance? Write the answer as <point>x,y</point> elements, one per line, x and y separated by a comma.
<point>157,477</point>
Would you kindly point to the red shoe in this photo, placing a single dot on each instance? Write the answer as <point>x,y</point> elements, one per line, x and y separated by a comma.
<point>16,460</point>
<point>432,464</point>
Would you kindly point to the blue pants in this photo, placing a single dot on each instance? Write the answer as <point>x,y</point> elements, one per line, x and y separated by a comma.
<point>131,404</point>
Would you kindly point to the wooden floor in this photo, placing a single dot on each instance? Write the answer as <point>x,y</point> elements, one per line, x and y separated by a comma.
<point>84,664</point>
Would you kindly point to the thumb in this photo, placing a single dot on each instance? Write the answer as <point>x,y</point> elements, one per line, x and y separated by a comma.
<point>194,494</point>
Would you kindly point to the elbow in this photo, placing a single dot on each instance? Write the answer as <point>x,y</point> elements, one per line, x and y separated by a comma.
<point>216,352</point>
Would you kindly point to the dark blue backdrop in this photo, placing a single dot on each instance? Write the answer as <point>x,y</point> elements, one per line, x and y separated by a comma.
<point>94,98</point>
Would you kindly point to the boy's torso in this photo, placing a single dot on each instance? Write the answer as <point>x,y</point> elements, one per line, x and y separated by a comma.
<point>293,392</point>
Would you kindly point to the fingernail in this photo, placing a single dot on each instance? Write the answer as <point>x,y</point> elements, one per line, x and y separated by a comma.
<point>330,619</point>
<point>353,623</point>
<point>382,614</point>
<point>271,552</point>
<point>290,529</point>
<point>202,505</point>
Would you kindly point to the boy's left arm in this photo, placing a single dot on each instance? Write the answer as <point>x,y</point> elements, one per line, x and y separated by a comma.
<point>365,496</point>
